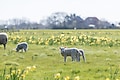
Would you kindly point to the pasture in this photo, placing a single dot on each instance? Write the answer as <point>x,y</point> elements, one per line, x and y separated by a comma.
<point>102,51</point>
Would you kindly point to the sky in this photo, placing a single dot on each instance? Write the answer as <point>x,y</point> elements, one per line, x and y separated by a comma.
<point>35,10</point>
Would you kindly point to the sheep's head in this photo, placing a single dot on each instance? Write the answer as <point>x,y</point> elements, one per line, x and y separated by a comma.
<point>17,49</point>
<point>62,49</point>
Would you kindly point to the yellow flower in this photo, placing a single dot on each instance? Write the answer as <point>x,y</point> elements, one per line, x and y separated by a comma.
<point>57,76</point>
<point>19,71</point>
<point>33,68</point>
<point>7,77</point>
<point>107,79</point>
<point>23,76</point>
<point>62,35</point>
<point>28,68</point>
<point>46,42</point>
<point>26,72</point>
<point>52,37</point>
<point>77,78</point>
<point>67,78</point>
<point>13,72</point>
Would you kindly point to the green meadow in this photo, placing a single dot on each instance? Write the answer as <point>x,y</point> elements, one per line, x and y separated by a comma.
<point>102,51</point>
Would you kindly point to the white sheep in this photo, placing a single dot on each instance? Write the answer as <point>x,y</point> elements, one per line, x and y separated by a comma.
<point>73,52</point>
<point>3,39</point>
<point>22,46</point>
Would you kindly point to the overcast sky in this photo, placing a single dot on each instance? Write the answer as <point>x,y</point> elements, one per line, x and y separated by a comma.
<point>35,10</point>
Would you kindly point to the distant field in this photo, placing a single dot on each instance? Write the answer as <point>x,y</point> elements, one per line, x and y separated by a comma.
<point>102,50</point>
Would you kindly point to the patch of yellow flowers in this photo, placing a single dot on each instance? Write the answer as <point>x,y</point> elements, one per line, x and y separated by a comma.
<point>65,39</point>
<point>110,79</point>
<point>18,74</point>
<point>58,76</point>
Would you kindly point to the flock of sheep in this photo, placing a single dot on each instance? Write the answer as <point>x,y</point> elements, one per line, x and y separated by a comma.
<point>20,46</point>
<point>73,52</point>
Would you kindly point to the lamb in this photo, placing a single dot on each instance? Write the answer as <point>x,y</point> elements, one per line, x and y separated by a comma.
<point>73,52</point>
<point>22,46</point>
<point>82,54</point>
<point>3,39</point>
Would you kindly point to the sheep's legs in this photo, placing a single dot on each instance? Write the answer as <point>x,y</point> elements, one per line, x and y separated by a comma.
<point>64,58</point>
<point>4,46</point>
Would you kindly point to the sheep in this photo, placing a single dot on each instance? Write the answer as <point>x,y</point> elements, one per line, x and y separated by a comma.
<point>73,52</point>
<point>3,39</point>
<point>82,54</point>
<point>22,46</point>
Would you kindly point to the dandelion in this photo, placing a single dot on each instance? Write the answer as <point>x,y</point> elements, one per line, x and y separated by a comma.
<point>77,78</point>
<point>57,76</point>
<point>67,78</point>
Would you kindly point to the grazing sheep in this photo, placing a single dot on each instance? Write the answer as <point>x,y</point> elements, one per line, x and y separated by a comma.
<point>73,52</point>
<point>22,46</point>
<point>82,54</point>
<point>3,39</point>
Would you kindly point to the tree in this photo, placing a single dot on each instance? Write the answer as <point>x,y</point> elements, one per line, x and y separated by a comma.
<point>55,20</point>
<point>74,21</point>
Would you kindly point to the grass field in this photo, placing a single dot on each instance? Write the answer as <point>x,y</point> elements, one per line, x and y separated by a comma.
<point>102,51</point>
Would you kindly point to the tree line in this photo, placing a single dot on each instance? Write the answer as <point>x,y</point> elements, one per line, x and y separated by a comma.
<point>60,20</point>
